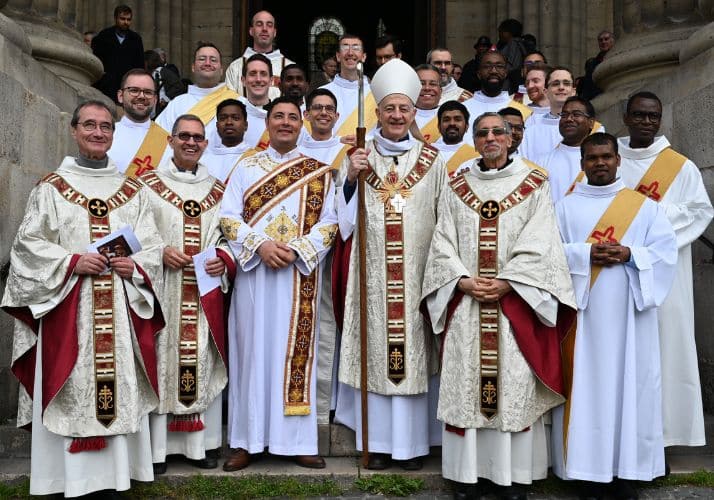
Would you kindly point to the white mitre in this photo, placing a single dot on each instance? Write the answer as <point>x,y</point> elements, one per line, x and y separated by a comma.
<point>395,77</point>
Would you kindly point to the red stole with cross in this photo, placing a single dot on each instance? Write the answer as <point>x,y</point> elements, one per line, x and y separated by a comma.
<point>311,179</point>
<point>191,211</point>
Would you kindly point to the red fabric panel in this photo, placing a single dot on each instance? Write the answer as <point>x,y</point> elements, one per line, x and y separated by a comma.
<point>340,273</point>
<point>216,310</point>
<point>229,262</point>
<point>145,331</point>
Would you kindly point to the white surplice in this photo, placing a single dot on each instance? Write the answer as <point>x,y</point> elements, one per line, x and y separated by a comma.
<point>346,92</point>
<point>481,103</point>
<point>261,312</point>
<point>542,135</point>
<point>256,123</point>
<point>563,166</point>
<point>615,426</point>
<point>452,92</point>
<point>52,231</point>
<point>128,137</point>
<point>220,160</point>
<point>447,150</point>
<point>689,209</point>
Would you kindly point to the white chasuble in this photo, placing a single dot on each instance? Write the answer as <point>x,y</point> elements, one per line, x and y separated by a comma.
<point>273,323</point>
<point>611,425</point>
<point>95,372</point>
<point>688,208</point>
<point>192,350</point>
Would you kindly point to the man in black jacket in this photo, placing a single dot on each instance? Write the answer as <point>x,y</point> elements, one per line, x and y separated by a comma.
<point>120,49</point>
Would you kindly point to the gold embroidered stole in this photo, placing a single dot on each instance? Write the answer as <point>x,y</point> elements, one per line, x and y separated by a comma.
<point>430,130</point>
<point>188,324</point>
<point>661,174</point>
<point>489,212</point>
<point>98,210</point>
<point>578,178</point>
<point>464,96</point>
<point>312,179</point>
<point>535,166</point>
<point>205,109</point>
<point>464,153</point>
<point>525,110</point>
<point>349,126</point>
<point>392,191</point>
<point>596,126</point>
<point>149,154</point>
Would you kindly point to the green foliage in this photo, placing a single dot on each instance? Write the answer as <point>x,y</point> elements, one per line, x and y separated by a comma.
<point>16,489</point>
<point>703,478</point>
<point>390,484</point>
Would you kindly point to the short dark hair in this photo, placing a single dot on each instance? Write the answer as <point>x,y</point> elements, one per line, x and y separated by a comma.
<point>345,36</point>
<point>430,67</point>
<point>598,139</point>
<point>136,72</point>
<point>86,104</point>
<point>257,57</point>
<point>510,111</point>
<point>232,102</point>
<point>644,94</point>
<point>318,92</point>
<point>152,59</point>
<point>122,9</point>
<point>491,52</point>
<point>489,114</point>
<point>202,44</point>
<point>512,26</point>
<point>435,49</point>
<point>540,67</point>
<point>588,105</point>
<point>557,68</point>
<point>186,118</point>
<point>283,99</point>
<point>452,106</point>
<point>545,60</point>
<point>385,40</point>
<point>293,66</point>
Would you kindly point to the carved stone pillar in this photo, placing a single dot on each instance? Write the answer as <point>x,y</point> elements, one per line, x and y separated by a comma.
<point>50,26</point>
<point>649,35</point>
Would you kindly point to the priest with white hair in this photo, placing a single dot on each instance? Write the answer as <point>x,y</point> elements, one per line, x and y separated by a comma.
<point>403,183</point>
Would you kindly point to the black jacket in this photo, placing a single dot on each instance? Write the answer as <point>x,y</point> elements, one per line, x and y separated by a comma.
<point>117,58</point>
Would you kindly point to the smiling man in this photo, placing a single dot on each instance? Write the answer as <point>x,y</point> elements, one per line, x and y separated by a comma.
<point>441,59</point>
<point>138,142</point>
<point>83,344</point>
<point>191,350</point>
<point>651,166</point>
<point>231,124</point>
<point>622,255</point>
<point>427,104</point>
<point>493,395</point>
<point>535,88</point>
<point>453,123</point>
<point>257,73</point>
<point>278,215</point>
<point>401,194</point>
<point>294,83</point>
<point>263,29</point>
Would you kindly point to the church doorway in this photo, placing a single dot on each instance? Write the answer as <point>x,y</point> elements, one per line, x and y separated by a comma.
<point>308,31</point>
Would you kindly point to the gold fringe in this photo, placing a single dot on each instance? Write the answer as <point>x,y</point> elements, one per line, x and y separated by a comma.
<point>293,411</point>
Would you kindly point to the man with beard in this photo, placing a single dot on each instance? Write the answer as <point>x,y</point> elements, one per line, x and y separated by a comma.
<point>518,88</point>
<point>651,166</point>
<point>515,120</point>
<point>138,141</point>
<point>563,163</point>
<point>491,97</point>
<point>294,84</point>
<point>535,88</point>
<point>450,91</point>
<point>263,30</point>
<point>428,102</point>
<point>231,124</point>
<point>453,122</point>
<point>543,134</point>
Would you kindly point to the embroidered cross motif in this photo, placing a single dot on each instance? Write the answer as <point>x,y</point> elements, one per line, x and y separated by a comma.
<point>650,191</point>
<point>97,207</point>
<point>397,203</point>
<point>490,210</point>
<point>604,236</point>
<point>191,208</point>
<point>144,165</point>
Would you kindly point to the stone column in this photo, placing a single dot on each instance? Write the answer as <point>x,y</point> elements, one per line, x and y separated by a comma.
<point>50,28</point>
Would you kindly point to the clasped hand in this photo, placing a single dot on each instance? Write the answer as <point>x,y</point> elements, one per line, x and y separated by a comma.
<point>95,263</point>
<point>484,289</point>
<point>609,254</point>
<point>276,255</point>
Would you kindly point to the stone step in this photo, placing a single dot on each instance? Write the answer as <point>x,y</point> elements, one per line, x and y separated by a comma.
<point>707,449</point>
<point>14,442</point>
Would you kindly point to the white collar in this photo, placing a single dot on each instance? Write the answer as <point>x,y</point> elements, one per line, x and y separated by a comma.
<point>171,170</point>
<point>201,91</point>
<point>653,149</point>
<point>599,191</point>
<point>129,123</point>
<point>290,155</point>
<point>310,143</point>
<point>349,84</point>
<point>502,97</point>
<point>387,147</point>
<point>69,164</point>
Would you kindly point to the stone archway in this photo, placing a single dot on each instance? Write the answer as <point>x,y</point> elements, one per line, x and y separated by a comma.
<point>323,39</point>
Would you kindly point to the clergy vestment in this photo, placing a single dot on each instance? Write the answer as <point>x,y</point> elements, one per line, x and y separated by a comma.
<point>220,160</point>
<point>235,71</point>
<point>256,126</point>
<point>481,103</point>
<point>428,124</point>
<point>497,224</point>
<point>346,93</point>
<point>611,425</point>
<point>84,345</point>
<point>542,135</point>
<point>192,351</point>
<point>274,315</point>
<point>452,92</point>
<point>687,206</point>
<point>128,136</point>
<point>563,167</point>
<point>454,155</point>
<point>401,354</point>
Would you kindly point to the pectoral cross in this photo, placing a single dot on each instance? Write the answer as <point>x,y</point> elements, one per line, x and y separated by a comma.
<point>398,203</point>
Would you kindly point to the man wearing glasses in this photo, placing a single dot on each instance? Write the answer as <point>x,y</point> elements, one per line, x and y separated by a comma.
<point>344,86</point>
<point>191,351</point>
<point>542,132</point>
<point>83,345</point>
<point>495,308</point>
<point>450,91</point>
<point>139,142</point>
<point>652,167</point>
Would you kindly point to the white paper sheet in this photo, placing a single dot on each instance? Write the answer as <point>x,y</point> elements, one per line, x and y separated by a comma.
<point>205,282</point>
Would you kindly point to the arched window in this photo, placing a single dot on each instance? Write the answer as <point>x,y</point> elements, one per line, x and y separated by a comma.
<point>324,34</point>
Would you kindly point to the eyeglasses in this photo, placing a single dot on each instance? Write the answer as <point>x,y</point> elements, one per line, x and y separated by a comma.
<point>490,66</point>
<point>136,91</point>
<point>575,114</point>
<point>185,137</point>
<point>91,126</point>
<point>560,83</point>
<point>639,116</point>
<point>319,108</point>
<point>354,47</point>
<point>483,132</point>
